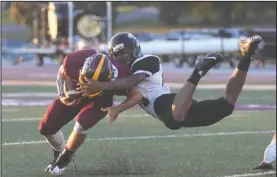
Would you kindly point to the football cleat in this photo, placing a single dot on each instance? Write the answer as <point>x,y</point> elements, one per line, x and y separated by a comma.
<point>56,171</point>
<point>248,45</point>
<point>56,155</point>
<point>263,166</point>
<point>206,62</point>
<point>61,163</point>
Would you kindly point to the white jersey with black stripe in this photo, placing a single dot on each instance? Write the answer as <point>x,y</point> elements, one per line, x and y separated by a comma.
<point>153,85</point>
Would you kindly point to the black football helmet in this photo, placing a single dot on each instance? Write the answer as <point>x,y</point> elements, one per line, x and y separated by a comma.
<point>125,48</point>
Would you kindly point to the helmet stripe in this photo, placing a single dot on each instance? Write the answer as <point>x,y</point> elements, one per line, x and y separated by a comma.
<point>99,68</point>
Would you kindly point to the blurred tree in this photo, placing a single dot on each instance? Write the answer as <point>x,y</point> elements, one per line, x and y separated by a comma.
<point>242,12</point>
<point>255,7</point>
<point>238,12</point>
<point>225,10</point>
<point>170,12</point>
<point>141,3</point>
<point>20,12</point>
<point>202,10</point>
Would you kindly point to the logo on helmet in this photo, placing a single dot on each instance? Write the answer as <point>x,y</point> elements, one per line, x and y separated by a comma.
<point>118,47</point>
<point>130,36</point>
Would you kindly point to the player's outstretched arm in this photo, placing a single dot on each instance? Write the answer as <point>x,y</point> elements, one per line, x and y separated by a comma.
<point>92,86</point>
<point>133,98</point>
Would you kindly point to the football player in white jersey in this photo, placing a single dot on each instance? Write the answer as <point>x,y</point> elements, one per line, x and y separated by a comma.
<point>154,96</point>
<point>269,156</point>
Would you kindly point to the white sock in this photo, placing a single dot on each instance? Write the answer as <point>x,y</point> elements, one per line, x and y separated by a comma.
<point>270,152</point>
<point>56,141</point>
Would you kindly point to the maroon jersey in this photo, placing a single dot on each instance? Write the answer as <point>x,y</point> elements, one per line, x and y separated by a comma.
<point>119,71</point>
<point>74,62</point>
<point>87,112</point>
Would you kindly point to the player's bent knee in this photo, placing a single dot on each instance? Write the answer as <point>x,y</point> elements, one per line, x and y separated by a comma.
<point>229,111</point>
<point>44,129</point>
<point>177,115</point>
<point>41,129</point>
<point>226,108</point>
<point>47,127</point>
<point>79,129</point>
<point>172,125</point>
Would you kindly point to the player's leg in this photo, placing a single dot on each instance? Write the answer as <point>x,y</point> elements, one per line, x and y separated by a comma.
<point>56,116</point>
<point>269,156</point>
<point>183,99</point>
<point>234,86</point>
<point>208,112</point>
<point>87,118</point>
<point>236,81</point>
<point>163,109</point>
<point>203,113</point>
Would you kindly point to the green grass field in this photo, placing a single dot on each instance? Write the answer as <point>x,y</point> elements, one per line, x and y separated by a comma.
<point>137,145</point>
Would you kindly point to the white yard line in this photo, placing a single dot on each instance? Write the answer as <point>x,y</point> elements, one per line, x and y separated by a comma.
<point>252,174</point>
<point>149,137</point>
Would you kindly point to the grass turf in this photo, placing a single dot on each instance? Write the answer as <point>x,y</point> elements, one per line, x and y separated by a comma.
<point>246,97</point>
<point>194,152</point>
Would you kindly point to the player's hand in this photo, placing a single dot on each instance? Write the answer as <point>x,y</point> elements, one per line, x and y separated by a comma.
<point>89,86</point>
<point>112,113</point>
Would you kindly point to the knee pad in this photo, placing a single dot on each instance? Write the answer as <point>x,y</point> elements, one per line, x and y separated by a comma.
<point>79,128</point>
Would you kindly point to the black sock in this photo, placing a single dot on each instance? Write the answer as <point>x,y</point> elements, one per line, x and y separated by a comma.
<point>244,63</point>
<point>69,151</point>
<point>195,77</point>
<point>56,155</point>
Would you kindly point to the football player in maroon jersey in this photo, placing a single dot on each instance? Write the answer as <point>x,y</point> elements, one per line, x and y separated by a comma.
<point>70,104</point>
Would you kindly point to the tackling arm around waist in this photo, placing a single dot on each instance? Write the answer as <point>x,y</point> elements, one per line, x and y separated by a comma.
<point>133,97</point>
